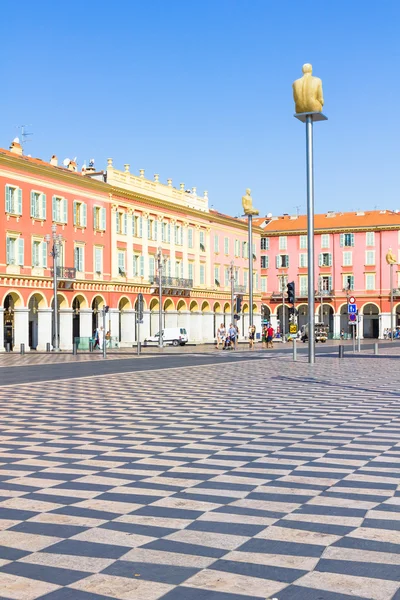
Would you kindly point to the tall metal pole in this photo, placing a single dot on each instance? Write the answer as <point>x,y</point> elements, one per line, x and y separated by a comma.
<point>56,345</point>
<point>310,238</point>
<point>232,294</point>
<point>160,274</point>
<point>104,334</point>
<point>391,302</point>
<point>250,270</point>
<point>283,310</point>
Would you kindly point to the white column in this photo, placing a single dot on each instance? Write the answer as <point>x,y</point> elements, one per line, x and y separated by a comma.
<point>145,327</point>
<point>128,328</point>
<point>66,316</point>
<point>112,323</point>
<point>257,324</point>
<point>171,318</point>
<point>85,323</point>
<point>195,327</point>
<point>21,328</point>
<point>336,326</point>
<point>45,317</point>
<point>2,329</point>
<point>360,326</point>
<point>384,323</point>
<point>207,327</point>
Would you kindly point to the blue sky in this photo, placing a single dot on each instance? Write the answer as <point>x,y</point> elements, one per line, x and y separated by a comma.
<point>200,91</point>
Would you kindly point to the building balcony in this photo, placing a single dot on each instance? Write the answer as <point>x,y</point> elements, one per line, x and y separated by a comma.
<point>240,289</point>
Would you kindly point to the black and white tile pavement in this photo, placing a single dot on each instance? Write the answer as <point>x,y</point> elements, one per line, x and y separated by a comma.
<point>264,479</point>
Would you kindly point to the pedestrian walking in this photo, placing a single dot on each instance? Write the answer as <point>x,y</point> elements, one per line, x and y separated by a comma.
<point>101,338</point>
<point>221,334</point>
<point>232,335</point>
<point>264,336</point>
<point>342,334</point>
<point>270,337</point>
<point>252,336</point>
<point>96,338</point>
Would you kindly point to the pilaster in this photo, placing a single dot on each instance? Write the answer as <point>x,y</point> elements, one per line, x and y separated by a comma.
<point>21,328</point>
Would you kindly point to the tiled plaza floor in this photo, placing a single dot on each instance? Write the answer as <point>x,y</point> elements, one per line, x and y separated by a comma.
<point>241,481</point>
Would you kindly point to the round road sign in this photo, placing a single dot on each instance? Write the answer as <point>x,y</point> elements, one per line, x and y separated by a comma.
<point>352,300</point>
<point>352,317</point>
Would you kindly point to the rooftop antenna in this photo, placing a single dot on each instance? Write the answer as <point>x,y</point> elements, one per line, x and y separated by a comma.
<point>298,207</point>
<point>24,134</point>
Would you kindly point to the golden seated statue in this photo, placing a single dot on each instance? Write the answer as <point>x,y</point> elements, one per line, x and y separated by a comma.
<point>247,202</point>
<point>307,92</point>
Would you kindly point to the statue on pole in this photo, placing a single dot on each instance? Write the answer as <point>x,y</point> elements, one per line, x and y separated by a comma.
<point>307,92</point>
<point>390,257</point>
<point>247,202</point>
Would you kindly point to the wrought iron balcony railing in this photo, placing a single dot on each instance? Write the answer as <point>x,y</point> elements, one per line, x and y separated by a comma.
<point>173,282</point>
<point>65,273</point>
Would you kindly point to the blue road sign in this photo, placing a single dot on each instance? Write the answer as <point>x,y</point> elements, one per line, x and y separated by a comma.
<point>352,308</point>
<point>352,317</point>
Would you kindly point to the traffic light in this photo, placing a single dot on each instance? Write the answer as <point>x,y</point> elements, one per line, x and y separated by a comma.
<point>291,292</point>
<point>239,300</point>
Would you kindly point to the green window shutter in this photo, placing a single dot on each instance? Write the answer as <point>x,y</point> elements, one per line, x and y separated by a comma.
<point>148,229</point>
<point>103,219</point>
<point>320,260</point>
<point>8,199</point>
<point>142,266</point>
<point>65,210</point>
<point>117,222</point>
<point>21,252</point>
<point>54,208</point>
<point>181,269</point>
<point>35,257</point>
<point>19,201</point>
<point>97,259</point>
<point>278,261</point>
<point>140,226</point>
<point>75,210</point>
<point>156,229</point>
<point>43,205</point>
<point>44,254</point>
<point>352,239</point>
<point>95,209</point>
<point>342,240</point>
<point>169,233</point>
<point>8,250</point>
<point>135,265</point>
<point>84,214</point>
<point>33,211</point>
<point>151,266</point>
<point>330,259</point>
<point>125,224</point>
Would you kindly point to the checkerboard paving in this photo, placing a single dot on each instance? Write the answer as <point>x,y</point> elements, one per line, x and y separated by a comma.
<point>254,480</point>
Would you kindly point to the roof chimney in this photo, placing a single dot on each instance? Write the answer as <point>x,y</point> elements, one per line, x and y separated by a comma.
<point>54,161</point>
<point>16,147</point>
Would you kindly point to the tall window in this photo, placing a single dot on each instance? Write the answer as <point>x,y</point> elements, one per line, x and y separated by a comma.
<point>245,250</point>
<point>15,251</point>
<point>80,214</point>
<point>227,276</point>
<point>98,260</point>
<point>178,235</point>
<point>138,226</point>
<point>38,205</point>
<point>216,276</point>
<point>264,262</point>
<point>39,254</point>
<point>13,200</point>
<point>79,258</point>
<point>99,218</point>
<point>303,242</point>
<point>60,209</point>
<point>282,242</point>
<point>370,238</point>
<point>347,239</point>
<point>348,282</point>
<point>370,281</point>
<point>263,284</point>
<point>135,269</point>
<point>226,245</point>
<point>347,259</point>
<point>190,271</point>
<point>216,244</point>
<point>152,266</point>
<point>264,243</point>
<point>325,283</point>
<point>121,221</point>
<point>202,274</point>
<point>237,248</point>
<point>325,240</point>
<point>370,257</point>
<point>303,285</point>
<point>325,259</point>
<point>202,241</point>
<point>121,263</point>
<point>190,237</point>
<point>303,260</point>
<point>282,261</point>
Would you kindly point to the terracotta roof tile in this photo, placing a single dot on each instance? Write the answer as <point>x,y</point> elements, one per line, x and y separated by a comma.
<point>330,220</point>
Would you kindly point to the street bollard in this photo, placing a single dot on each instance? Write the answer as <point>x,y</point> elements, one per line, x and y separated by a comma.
<point>376,348</point>
<point>22,348</point>
<point>91,345</point>
<point>8,347</point>
<point>294,350</point>
<point>139,348</point>
<point>74,348</point>
<point>48,347</point>
<point>341,351</point>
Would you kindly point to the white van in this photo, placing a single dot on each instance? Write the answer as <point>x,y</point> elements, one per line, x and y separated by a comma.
<point>177,336</point>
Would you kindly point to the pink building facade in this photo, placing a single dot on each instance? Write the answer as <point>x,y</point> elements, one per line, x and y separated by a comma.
<point>350,260</point>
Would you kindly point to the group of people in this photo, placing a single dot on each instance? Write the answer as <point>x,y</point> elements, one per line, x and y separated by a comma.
<point>267,336</point>
<point>98,337</point>
<point>387,333</point>
<point>228,338</point>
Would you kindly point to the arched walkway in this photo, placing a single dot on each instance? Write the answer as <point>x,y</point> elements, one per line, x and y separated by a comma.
<point>370,320</point>
<point>36,301</point>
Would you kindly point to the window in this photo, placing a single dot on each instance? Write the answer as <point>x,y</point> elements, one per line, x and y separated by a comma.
<point>245,278</point>
<point>370,238</point>
<point>178,235</point>
<point>39,254</point>
<point>303,285</point>
<point>237,275</point>
<point>121,221</point>
<point>190,237</point>
<point>79,259</point>
<point>254,251</point>
<point>325,240</point>
<point>370,257</point>
<point>347,259</point>
<point>152,266</point>
<point>282,283</point>
<point>227,276</point>
<point>216,276</point>
<point>60,209</point>
<point>141,266</point>
<point>121,263</point>
<point>135,268</point>
<point>202,274</point>
<point>348,282</point>
<point>190,271</point>
<point>202,241</point>
<point>15,251</point>
<point>303,242</point>
<point>325,283</point>
<point>216,244</point>
<point>80,214</point>
<point>255,281</point>
<point>13,200</point>
<point>137,224</point>
<point>282,242</point>
<point>303,260</point>
<point>38,205</point>
<point>325,259</point>
<point>226,245</point>
<point>264,262</point>
<point>282,261</point>
<point>245,250</point>
<point>264,243</point>
<point>99,218</point>
<point>347,239</point>
<point>98,260</point>
<point>370,281</point>
<point>237,248</point>
<point>263,284</point>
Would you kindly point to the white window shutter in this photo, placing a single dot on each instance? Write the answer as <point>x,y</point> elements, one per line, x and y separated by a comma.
<point>330,259</point>
<point>54,208</point>
<point>278,261</point>
<point>156,229</point>
<point>8,199</point>
<point>33,211</point>
<point>103,219</point>
<point>19,201</point>
<point>65,210</point>
<point>8,250</point>
<point>43,203</point>
<point>44,254</point>
<point>321,259</point>
<point>342,239</point>
<point>125,224</point>
<point>75,211</point>
<point>352,239</point>
<point>287,260</point>
<point>140,226</point>
<point>84,214</point>
<point>142,266</point>
<point>21,252</point>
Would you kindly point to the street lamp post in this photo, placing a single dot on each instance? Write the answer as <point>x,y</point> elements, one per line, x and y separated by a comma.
<point>283,279</point>
<point>160,259</point>
<point>391,302</point>
<point>56,240</point>
<point>232,277</point>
